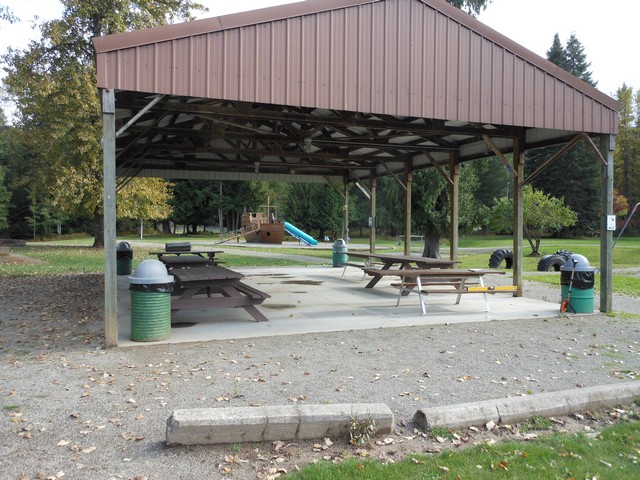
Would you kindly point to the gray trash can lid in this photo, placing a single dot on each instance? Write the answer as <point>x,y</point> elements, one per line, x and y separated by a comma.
<point>339,242</point>
<point>150,272</point>
<point>123,247</point>
<point>577,262</point>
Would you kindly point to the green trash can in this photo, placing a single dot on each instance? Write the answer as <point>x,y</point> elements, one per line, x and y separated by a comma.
<point>151,288</point>
<point>340,256</point>
<point>124,258</point>
<point>577,280</point>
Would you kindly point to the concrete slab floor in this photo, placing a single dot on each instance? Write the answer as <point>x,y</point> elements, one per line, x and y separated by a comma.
<point>319,299</point>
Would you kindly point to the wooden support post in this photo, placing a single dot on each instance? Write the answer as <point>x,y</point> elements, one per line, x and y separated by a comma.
<point>607,145</point>
<point>372,215</point>
<point>454,195</point>
<point>345,213</point>
<point>408,181</point>
<point>109,172</point>
<point>518,212</point>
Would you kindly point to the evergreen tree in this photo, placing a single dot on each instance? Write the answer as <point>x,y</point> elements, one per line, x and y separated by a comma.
<point>574,176</point>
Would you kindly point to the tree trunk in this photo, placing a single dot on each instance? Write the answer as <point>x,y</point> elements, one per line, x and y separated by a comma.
<point>166,227</point>
<point>431,245</point>
<point>98,220</point>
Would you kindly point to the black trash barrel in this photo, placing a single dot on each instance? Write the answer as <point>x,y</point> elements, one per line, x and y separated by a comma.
<point>124,258</point>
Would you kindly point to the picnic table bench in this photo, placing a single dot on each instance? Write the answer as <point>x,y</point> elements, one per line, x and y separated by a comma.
<point>442,281</point>
<point>402,261</point>
<point>215,286</point>
<point>187,258</point>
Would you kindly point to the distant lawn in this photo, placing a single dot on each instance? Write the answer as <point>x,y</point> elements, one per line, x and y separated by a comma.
<point>76,255</point>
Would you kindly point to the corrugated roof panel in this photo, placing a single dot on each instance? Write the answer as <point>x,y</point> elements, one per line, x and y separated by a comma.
<point>215,66</point>
<point>416,53</point>
<point>294,61</point>
<point>231,73</point>
<point>497,85</point>
<point>265,79</point>
<point>182,67</point>
<point>162,77</point>
<point>463,81</point>
<point>403,73</point>
<point>518,101</point>
<point>127,60</point>
<point>365,60</point>
<point>323,55</point>
<point>279,55</point>
<point>248,60</point>
<point>309,61</point>
<point>392,50</point>
<point>377,74</point>
<point>475,72</point>
<point>337,55</point>
<point>441,51</point>
<point>197,65</point>
<point>452,70</point>
<point>506,94</point>
<point>352,53</point>
<point>429,62</point>
<point>486,80</point>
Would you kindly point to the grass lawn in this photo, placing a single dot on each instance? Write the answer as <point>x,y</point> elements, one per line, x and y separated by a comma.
<point>613,455</point>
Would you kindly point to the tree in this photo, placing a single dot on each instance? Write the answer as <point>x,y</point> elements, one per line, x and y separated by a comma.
<point>147,200</point>
<point>627,151</point>
<point>472,7</point>
<point>574,176</point>
<point>431,206</point>
<point>543,214</point>
<point>52,83</point>
<point>314,208</point>
<point>5,198</point>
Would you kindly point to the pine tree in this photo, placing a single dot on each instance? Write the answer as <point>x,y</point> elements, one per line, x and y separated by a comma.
<point>575,175</point>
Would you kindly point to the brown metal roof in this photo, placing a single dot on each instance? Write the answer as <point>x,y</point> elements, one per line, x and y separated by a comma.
<point>420,58</point>
<point>255,86</point>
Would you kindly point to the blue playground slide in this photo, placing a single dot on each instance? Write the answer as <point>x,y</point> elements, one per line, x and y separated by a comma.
<point>299,234</point>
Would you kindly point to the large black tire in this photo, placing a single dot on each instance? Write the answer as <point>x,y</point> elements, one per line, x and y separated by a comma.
<point>551,263</point>
<point>564,253</point>
<point>500,255</point>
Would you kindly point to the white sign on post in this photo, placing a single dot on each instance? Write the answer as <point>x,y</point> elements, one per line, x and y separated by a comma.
<point>611,222</point>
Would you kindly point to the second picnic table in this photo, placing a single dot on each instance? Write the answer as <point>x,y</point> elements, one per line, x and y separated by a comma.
<point>388,260</point>
<point>187,258</point>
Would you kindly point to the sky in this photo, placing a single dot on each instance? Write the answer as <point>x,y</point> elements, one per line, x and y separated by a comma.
<point>607,30</point>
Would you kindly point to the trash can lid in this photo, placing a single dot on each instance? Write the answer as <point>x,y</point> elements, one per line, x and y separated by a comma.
<point>340,242</point>
<point>150,272</point>
<point>123,247</point>
<point>577,262</point>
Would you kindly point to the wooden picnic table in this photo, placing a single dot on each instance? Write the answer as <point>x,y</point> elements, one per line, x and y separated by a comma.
<point>215,286</point>
<point>442,280</point>
<point>404,262</point>
<point>187,258</point>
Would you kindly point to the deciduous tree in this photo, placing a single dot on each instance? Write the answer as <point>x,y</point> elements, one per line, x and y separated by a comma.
<point>543,214</point>
<point>52,83</point>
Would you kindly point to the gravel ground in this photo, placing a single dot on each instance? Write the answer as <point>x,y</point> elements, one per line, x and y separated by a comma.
<point>73,410</point>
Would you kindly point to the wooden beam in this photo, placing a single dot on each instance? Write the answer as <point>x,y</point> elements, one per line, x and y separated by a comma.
<point>490,143</point>
<point>454,196</point>
<point>438,167</point>
<point>550,160</point>
<point>596,153</point>
<point>408,180</point>
<point>109,180</point>
<point>372,214</point>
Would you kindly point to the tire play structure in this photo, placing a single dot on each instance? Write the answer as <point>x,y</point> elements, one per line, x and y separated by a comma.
<point>501,255</point>
<point>554,262</point>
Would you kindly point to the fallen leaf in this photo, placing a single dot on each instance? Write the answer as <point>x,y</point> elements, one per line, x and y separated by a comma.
<point>63,443</point>
<point>89,449</point>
